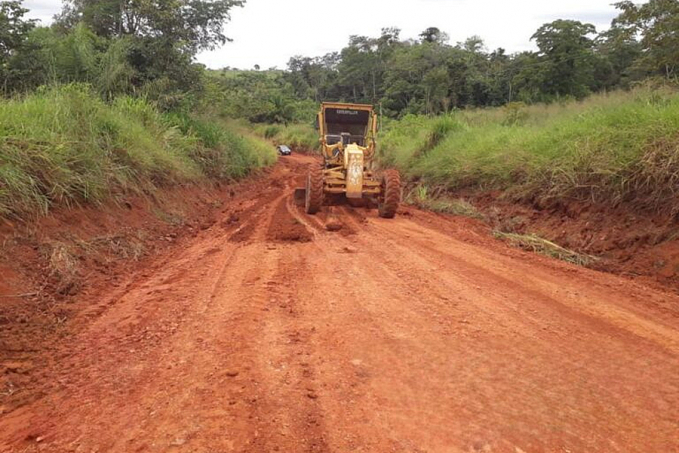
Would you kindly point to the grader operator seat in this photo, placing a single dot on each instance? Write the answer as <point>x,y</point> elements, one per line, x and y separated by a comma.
<point>332,139</point>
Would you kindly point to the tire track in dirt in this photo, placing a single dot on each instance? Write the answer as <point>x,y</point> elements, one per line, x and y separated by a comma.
<point>290,358</point>
<point>528,348</point>
<point>527,314</point>
<point>540,287</point>
<point>420,334</point>
<point>170,279</point>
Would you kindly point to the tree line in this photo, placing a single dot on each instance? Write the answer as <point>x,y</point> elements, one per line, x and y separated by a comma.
<point>429,75</point>
<point>120,47</point>
<point>148,48</point>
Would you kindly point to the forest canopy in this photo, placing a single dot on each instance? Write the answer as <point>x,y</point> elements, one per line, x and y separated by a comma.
<point>135,47</point>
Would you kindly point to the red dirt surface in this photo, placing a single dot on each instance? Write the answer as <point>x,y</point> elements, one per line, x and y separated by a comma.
<point>267,332</point>
<point>628,241</point>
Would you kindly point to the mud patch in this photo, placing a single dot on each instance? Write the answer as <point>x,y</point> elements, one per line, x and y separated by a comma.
<point>333,224</point>
<point>359,215</point>
<point>345,220</point>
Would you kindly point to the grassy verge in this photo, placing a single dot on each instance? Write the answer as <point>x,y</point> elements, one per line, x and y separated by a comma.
<point>299,137</point>
<point>621,147</point>
<point>64,146</point>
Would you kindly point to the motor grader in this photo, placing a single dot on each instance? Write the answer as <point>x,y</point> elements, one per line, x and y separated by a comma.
<point>348,140</point>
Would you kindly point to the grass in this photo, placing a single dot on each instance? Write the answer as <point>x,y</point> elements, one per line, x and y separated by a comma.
<point>299,137</point>
<point>614,148</point>
<point>66,272</point>
<point>65,146</point>
<point>63,268</point>
<point>225,151</point>
<point>421,197</point>
<point>534,243</point>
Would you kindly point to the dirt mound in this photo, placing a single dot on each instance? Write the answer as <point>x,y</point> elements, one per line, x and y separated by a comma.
<point>288,225</point>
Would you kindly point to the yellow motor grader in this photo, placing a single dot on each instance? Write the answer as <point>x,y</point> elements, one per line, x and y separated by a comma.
<point>348,140</point>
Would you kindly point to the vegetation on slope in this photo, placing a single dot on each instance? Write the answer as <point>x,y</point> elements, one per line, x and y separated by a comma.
<point>300,137</point>
<point>621,147</point>
<point>133,131</point>
<point>67,146</point>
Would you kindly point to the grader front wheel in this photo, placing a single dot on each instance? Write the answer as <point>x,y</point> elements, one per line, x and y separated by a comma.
<point>390,198</point>
<point>314,191</point>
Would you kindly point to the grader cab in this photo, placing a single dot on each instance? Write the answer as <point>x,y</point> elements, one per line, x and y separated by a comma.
<point>348,139</point>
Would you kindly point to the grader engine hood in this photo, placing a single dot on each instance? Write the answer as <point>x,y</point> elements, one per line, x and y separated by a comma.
<point>354,163</point>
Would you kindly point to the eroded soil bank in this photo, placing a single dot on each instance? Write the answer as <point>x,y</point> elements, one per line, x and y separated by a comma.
<point>627,240</point>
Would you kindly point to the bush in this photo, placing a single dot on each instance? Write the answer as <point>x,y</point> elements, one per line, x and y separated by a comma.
<point>271,131</point>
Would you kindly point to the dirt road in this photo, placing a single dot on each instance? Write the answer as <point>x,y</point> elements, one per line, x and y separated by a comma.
<point>423,334</point>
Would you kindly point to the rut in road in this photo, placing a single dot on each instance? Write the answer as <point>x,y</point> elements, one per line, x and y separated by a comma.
<point>420,334</point>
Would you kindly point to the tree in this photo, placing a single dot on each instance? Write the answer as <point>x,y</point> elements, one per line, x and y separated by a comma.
<point>657,21</point>
<point>617,51</point>
<point>14,31</point>
<point>474,44</point>
<point>195,24</point>
<point>313,77</point>
<point>13,27</point>
<point>566,57</point>
<point>161,38</point>
<point>423,78</point>
<point>525,79</point>
<point>434,35</point>
<point>360,69</point>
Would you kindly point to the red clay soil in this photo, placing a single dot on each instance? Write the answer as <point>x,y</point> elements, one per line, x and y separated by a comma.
<point>51,270</point>
<point>628,241</point>
<point>267,332</point>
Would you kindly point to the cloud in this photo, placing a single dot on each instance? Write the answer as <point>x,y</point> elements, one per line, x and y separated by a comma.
<point>43,10</point>
<point>599,18</point>
<point>269,32</point>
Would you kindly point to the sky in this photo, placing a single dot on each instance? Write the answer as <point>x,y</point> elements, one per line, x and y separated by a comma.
<point>268,32</point>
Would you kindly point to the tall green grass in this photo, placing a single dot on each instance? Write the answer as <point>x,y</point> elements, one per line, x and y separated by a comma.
<point>226,151</point>
<point>299,137</point>
<point>615,148</point>
<point>66,146</point>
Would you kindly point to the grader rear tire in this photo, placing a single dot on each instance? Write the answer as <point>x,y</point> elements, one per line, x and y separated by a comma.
<point>314,191</point>
<point>390,198</point>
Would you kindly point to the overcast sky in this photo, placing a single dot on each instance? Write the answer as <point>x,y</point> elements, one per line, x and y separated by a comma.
<point>269,32</point>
